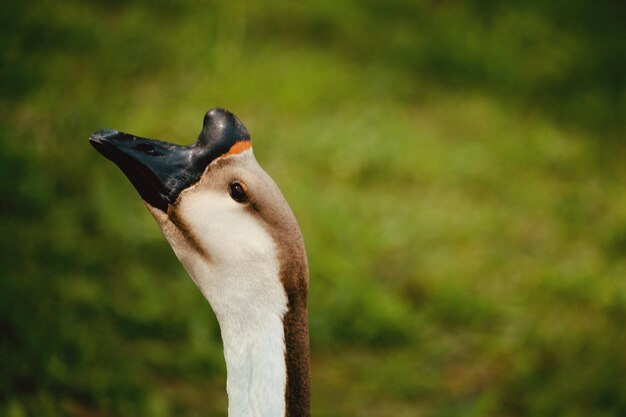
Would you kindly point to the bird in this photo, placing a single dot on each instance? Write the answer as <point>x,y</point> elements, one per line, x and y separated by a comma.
<point>236,236</point>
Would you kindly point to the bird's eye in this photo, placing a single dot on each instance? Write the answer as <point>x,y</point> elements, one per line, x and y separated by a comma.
<point>237,192</point>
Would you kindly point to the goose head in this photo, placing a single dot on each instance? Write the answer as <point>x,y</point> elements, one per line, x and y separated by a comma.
<point>234,233</point>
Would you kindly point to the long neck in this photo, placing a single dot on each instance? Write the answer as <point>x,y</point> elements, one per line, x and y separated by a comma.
<point>267,361</point>
<point>259,295</point>
<point>265,334</point>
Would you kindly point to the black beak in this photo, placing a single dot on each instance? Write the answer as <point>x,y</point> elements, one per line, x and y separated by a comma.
<point>160,170</point>
<point>152,166</point>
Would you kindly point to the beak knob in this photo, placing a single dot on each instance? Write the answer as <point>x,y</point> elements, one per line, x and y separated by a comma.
<point>221,129</point>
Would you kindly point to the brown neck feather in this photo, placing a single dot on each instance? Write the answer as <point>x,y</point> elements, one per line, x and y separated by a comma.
<point>294,275</point>
<point>297,356</point>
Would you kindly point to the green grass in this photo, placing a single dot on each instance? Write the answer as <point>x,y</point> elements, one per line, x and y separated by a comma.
<point>457,172</point>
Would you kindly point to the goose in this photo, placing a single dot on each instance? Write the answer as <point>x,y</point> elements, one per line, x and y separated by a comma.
<point>235,235</point>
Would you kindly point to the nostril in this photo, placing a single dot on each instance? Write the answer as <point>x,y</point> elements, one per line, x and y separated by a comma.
<point>145,147</point>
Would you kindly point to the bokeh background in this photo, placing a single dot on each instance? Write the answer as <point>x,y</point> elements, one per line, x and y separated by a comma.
<point>458,170</point>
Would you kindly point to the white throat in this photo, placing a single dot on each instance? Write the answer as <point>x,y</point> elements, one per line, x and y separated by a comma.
<point>242,284</point>
<point>255,361</point>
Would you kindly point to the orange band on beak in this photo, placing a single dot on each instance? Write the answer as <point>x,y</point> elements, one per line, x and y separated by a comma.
<point>238,147</point>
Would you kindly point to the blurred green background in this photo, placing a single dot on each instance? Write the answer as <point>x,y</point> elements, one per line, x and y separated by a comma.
<point>457,168</point>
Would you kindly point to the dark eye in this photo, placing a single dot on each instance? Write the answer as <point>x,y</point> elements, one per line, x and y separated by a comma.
<point>237,192</point>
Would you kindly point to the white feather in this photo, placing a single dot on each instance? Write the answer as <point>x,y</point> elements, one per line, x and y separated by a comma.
<point>241,282</point>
